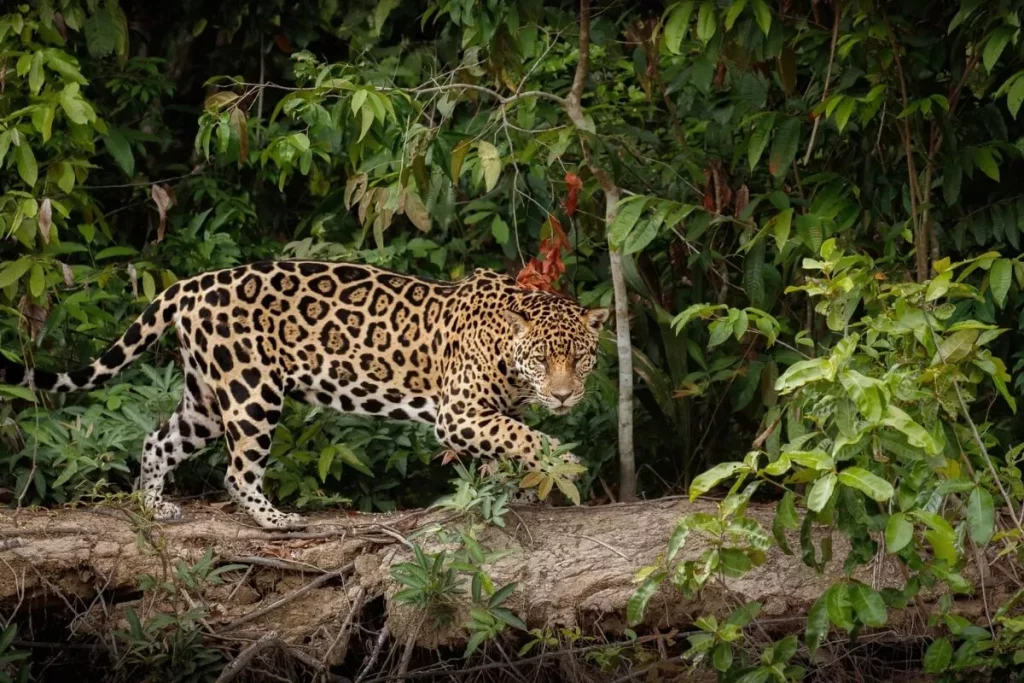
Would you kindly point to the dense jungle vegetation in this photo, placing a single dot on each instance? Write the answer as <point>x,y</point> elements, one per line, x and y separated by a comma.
<point>807,211</point>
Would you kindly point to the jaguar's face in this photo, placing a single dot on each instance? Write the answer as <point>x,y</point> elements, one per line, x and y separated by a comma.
<point>554,349</point>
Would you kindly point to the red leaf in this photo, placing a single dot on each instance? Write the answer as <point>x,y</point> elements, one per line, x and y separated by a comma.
<point>283,43</point>
<point>574,185</point>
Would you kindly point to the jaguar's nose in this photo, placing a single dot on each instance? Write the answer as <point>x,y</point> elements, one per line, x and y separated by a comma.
<point>561,395</point>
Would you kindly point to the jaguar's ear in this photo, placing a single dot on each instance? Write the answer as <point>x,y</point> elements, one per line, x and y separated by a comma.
<point>518,322</point>
<point>596,318</point>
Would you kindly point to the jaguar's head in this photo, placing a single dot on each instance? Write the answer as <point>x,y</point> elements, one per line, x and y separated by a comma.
<point>554,348</point>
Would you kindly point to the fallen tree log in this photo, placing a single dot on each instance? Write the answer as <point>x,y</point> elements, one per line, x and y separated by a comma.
<point>574,568</point>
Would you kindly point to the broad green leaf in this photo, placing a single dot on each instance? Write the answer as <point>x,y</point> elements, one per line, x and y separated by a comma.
<point>714,476</point>
<point>980,516</point>
<point>837,603</point>
<point>952,179</point>
<point>816,459</point>
<point>986,161</point>
<point>995,45</point>
<point>784,147</point>
<point>736,8</point>
<point>626,218</point>
<point>817,624</point>
<point>499,230</point>
<point>803,372</point>
<point>677,26</point>
<point>955,347</point>
<point>734,562</point>
<point>721,658</point>
<point>1015,96</point>
<point>490,161</point>
<point>121,150</point>
<point>637,603</point>
<point>820,493</point>
<point>707,22</point>
<point>13,271</point>
<point>869,605</point>
<point>753,275</point>
<point>759,137</point>
<point>37,281</point>
<point>678,538</point>
<point>367,121</point>
<point>938,656</point>
<point>869,484</point>
<point>325,462</point>
<point>352,460</point>
<point>999,278</point>
<point>763,15</point>
<point>843,112</point>
<point>26,161</point>
<point>915,433</point>
<point>358,99</point>
<point>35,73</point>
<point>899,531</point>
<point>782,224</point>
<point>458,156</point>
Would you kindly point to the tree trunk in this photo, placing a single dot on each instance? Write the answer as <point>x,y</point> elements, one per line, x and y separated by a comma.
<point>573,566</point>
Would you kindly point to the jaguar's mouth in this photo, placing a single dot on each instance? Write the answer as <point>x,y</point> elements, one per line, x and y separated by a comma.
<point>559,410</point>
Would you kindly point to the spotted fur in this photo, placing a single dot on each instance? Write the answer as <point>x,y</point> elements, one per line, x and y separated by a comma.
<point>465,356</point>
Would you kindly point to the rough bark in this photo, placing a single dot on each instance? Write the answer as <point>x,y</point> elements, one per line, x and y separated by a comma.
<point>574,567</point>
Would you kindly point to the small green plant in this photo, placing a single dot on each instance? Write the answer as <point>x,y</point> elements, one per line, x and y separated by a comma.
<point>10,669</point>
<point>171,640</point>
<point>431,584</point>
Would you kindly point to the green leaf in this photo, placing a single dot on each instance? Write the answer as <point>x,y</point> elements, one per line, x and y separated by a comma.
<point>637,603</point>
<point>75,108</point>
<point>708,480</point>
<point>458,156</point>
<point>843,112</point>
<point>707,22</point>
<point>37,281</point>
<point>736,8</point>
<point>869,484</point>
<point>899,531</point>
<point>817,624</point>
<point>938,656</point>
<point>955,347</point>
<point>763,15</point>
<point>721,658</point>
<point>753,275</point>
<point>995,45</point>
<point>734,562</point>
<point>1015,96</point>
<point>627,214</point>
<point>782,225</point>
<point>759,137</point>
<point>380,15</point>
<point>837,603</point>
<point>803,372</point>
<point>13,271</point>
<point>100,33</point>
<point>986,161</point>
<point>980,516</point>
<point>916,434</point>
<point>784,146</point>
<point>26,161</point>
<point>490,161</point>
<point>35,73</point>
<point>677,26</point>
<point>352,460</point>
<point>820,493</point>
<point>952,179</point>
<point>325,462</point>
<point>869,605</point>
<point>999,278</point>
<point>367,122</point>
<point>119,148</point>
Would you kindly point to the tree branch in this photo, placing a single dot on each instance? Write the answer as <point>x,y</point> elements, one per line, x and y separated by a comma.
<point>623,343</point>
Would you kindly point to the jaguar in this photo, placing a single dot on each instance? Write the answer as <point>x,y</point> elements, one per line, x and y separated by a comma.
<point>467,356</point>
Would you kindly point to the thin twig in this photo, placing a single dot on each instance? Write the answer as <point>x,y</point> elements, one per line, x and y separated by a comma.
<point>245,657</point>
<point>837,8</point>
<point>602,543</point>
<point>372,661</point>
<point>319,581</point>
<point>353,610</point>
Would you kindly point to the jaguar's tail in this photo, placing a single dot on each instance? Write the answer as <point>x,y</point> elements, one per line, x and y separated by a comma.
<point>146,329</point>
